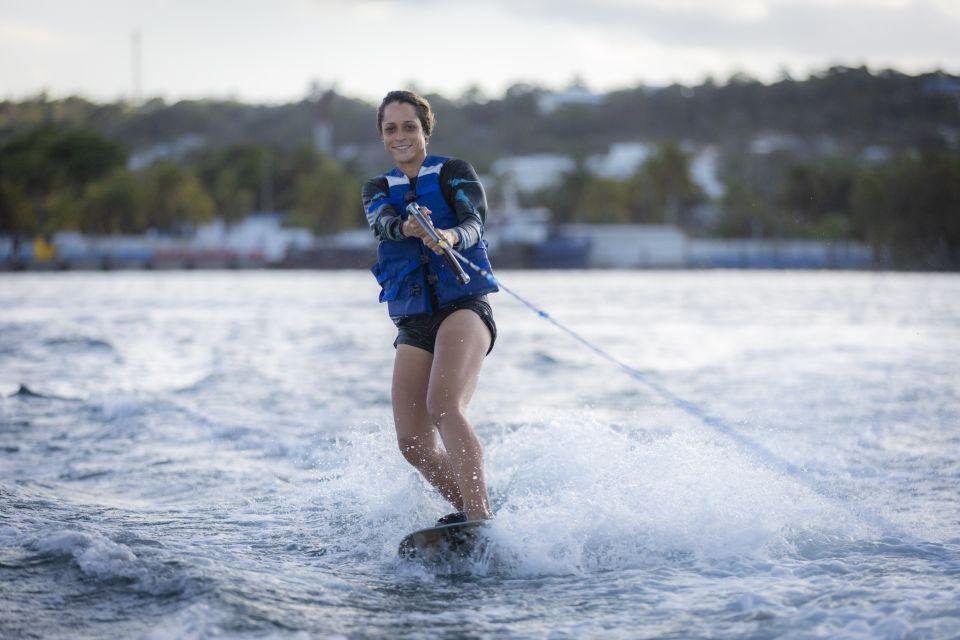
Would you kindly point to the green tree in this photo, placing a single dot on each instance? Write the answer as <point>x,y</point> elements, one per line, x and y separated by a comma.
<point>237,177</point>
<point>564,199</point>
<point>115,204</point>
<point>175,199</point>
<point>816,197</point>
<point>47,164</point>
<point>604,201</point>
<point>911,206</point>
<point>672,190</point>
<point>233,201</point>
<point>743,213</point>
<point>17,215</point>
<point>327,198</point>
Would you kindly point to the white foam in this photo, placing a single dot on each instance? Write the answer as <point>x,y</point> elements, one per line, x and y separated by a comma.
<point>95,555</point>
<point>374,488</point>
<point>199,620</point>
<point>578,495</point>
<point>582,496</point>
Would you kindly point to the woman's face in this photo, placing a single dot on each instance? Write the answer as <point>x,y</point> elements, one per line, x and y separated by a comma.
<point>403,134</point>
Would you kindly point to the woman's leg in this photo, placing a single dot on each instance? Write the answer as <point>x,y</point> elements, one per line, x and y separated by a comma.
<point>416,434</point>
<point>462,344</point>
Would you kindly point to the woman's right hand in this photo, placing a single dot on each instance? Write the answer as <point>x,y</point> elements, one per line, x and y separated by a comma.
<point>412,229</point>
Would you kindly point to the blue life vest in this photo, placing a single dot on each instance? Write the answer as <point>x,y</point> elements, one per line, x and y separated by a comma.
<point>407,270</point>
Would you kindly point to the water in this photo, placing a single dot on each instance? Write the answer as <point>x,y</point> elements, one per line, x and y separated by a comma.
<point>211,455</point>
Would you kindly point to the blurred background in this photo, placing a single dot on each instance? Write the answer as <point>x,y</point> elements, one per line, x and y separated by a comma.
<point>643,134</point>
<point>210,453</point>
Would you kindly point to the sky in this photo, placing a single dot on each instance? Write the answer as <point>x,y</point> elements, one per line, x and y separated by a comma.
<point>276,51</point>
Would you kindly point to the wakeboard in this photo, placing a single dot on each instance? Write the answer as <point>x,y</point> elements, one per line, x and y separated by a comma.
<point>458,540</point>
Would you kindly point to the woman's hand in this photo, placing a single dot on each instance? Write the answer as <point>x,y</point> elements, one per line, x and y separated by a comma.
<point>412,229</point>
<point>450,237</point>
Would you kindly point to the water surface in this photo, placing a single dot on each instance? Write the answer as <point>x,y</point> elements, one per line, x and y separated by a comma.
<point>211,454</point>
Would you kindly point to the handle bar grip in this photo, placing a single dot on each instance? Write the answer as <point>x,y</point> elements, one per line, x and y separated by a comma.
<point>414,210</point>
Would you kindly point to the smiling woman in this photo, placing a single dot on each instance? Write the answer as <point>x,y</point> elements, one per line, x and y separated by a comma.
<point>406,130</point>
<point>445,326</point>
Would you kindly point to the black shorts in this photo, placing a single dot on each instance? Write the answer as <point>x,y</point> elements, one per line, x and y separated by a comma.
<point>421,330</point>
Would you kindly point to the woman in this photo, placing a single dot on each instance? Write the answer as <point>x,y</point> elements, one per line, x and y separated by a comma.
<point>444,329</point>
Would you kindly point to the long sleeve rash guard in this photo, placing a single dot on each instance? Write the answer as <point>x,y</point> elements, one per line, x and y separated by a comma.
<point>461,189</point>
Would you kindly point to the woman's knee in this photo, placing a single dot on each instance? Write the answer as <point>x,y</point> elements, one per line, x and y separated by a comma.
<point>416,450</point>
<point>444,410</point>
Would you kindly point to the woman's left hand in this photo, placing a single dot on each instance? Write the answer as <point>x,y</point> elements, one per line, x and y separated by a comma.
<point>450,237</point>
<point>412,228</point>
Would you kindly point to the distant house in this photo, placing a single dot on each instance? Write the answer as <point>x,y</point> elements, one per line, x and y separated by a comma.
<point>704,170</point>
<point>715,253</point>
<point>518,225</point>
<point>769,142</point>
<point>531,173</point>
<point>260,235</point>
<point>173,151</point>
<point>621,161</point>
<point>630,246</point>
<point>578,94</point>
<point>625,158</point>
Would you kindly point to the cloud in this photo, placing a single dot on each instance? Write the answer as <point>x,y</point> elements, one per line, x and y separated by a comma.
<point>825,28</point>
<point>25,35</point>
<point>270,51</point>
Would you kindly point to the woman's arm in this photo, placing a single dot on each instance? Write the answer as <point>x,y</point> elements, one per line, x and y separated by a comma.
<point>462,190</point>
<point>381,216</point>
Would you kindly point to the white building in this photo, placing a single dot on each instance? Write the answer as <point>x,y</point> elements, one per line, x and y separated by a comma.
<point>578,94</point>
<point>629,246</point>
<point>621,161</point>
<point>625,158</point>
<point>173,151</point>
<point>703,170</point>
<point>260,234</point>
<point>533,172</point>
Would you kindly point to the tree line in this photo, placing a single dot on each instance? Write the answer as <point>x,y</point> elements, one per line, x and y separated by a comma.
<point>906,207</point>
<point>53,179</point>
<point>855,107</point>
<point>872,156</point>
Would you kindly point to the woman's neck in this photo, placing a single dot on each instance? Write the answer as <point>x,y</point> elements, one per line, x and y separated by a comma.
<point>412,169</point>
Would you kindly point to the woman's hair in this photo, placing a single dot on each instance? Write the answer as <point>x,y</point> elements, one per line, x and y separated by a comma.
<point>424,112</point>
